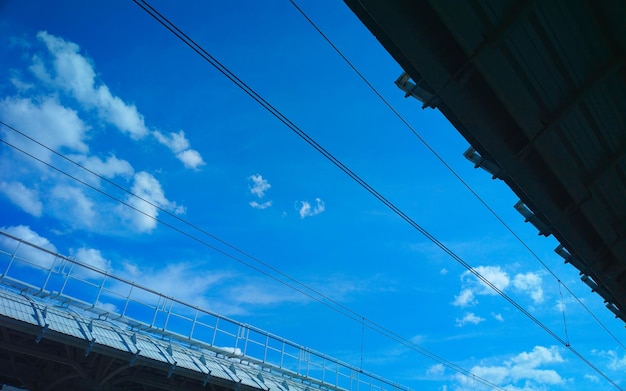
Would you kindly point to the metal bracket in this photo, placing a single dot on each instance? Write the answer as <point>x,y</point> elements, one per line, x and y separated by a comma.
<point>134,358</point>
<point>529,216</point>
<point>482,162</point>
<point>90,346</point>
<point>414,90</point>
<point>171,371</point>
<point>41,334</point>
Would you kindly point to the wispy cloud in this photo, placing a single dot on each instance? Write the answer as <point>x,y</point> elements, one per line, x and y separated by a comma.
<point>68,70</point>
<point>33,255</point>
<point>179,145</point>
<point>469,318</point>
<point>193,282</point>
<point>613,359</point>
<point>149,189</point>
<point>523,371</point>
<point>264,205</point>
<point>258,185</point>
<point>436,370</point>
<point>46,120</point>
<point>42,111</point>
<point>109,168</point>
<point>63,67</point>
<point>474,287</point>
<point>528,283</point>
<point>305,209</point>
<point>26,198</point>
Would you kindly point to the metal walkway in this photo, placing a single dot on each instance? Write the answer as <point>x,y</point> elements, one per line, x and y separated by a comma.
<point>66,325</point>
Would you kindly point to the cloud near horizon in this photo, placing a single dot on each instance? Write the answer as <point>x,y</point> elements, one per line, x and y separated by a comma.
<point>190,282</point>
<point>521,372</point>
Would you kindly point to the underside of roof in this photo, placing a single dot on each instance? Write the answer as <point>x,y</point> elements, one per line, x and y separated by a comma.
<point>539,91</point>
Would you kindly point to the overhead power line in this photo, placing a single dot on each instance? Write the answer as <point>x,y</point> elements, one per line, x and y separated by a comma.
<point>282,118</point>
<point>298,287</point>
<point>452,170</point>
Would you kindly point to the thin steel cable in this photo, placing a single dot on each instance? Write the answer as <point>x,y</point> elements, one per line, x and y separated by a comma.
<point>563,312</point>
<point>451,170</point>
<point>275,112</point>
<point>310,292</point>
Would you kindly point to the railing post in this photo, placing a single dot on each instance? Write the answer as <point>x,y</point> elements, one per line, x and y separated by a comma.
<point>67,277</point>
<point>45,283</point>
<point>217,321</point>
<point>193,324</point>
<point>130,292</point>
<point>100,289</point>
<point>169,312</point>
<point>237,337</point>
<point>12,259</point>
<point>246,339</point>
<point>267,344</point>
<point>156,311</point>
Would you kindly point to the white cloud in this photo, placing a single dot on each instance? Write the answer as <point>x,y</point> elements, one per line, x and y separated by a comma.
<point>46,121</point>
<point>530,283</point>
<point>615,362</point>
<point>64,68</point>
<point>436,370</point>
<point>497,317</point>
<point>149,189</point>
<point>176,142</point>
<point>28,253</point>
<point>190,158</point>
<point>71,205</point>
<point>306,210</point>
<point>256,292</point>
<point>22,196</point>
<point>443,271</point>
<point>469,318</point>
<point>182,280</point>
<point>523,370</point>
<point>474,287</point>
<point>493,274</point>
<point>75,74</point>
<point>108,168</point>
<point>91,257</point>
<point>259,185</point>
<point>264,205</point>
<point>180,146</point>
<point>465,298</point>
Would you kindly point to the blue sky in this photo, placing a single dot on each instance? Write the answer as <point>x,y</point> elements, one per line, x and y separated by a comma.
<point>107,86</point>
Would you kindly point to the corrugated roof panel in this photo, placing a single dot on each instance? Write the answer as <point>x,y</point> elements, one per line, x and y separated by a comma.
<point>219,370</point>
<point>105,335</point>
<point>249,378</point>
<point>16,308</point>
<point>183,359</point>
<point>149,350</point>
<point>110,334</point>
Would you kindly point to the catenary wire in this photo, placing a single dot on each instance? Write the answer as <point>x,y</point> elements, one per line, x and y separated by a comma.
<point>275,112</point>
<point>451,170</point>
<point>312,293</point>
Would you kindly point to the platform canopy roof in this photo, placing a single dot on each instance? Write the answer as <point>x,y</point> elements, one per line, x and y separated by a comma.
<point>538,88</point>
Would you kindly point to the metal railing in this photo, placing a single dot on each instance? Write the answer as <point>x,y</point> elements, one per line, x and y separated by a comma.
<point>42,273</point>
